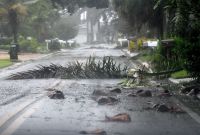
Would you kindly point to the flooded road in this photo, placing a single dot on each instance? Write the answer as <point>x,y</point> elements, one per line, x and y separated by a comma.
<point>31,112</point>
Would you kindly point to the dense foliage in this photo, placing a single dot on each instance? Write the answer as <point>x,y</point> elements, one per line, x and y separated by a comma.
<point>189,55</point>
<point>54,45</point>
<point>30,45</point>
<point>66,28</point>
<point>73,5</point>
<point>39,20</point>
<point>185,23</point>
<point>175,18</point>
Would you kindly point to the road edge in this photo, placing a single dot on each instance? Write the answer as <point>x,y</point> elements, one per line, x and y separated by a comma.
<point>189,111</point>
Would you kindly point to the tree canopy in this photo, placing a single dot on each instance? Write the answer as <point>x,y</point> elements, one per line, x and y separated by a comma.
<point>185,24</point>
<point>12,10</point>
<point>184,17</point>
<point>139,13</point>
<point>72,5</point>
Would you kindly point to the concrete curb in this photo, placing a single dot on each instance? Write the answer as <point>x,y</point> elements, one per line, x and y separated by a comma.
<point>177,81</point>
<point>194,115</point>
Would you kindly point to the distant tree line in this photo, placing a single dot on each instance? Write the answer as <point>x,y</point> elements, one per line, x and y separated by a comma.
<point>72,5</point>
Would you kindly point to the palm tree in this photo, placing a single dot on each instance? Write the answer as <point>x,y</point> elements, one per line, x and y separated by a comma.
<point>12,10</point>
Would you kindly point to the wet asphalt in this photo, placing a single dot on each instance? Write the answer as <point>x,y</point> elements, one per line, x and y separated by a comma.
<point>78,111</point>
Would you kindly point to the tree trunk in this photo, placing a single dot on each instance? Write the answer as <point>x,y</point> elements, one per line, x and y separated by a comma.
<point>160,31</point>
<point>92,31</point>
<point>99,26</point>
<point>87,30</point>
<point>162,25</point>
<point>15,38</point>
<point>13,21</point>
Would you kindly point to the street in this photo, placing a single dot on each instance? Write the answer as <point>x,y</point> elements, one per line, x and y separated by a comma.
<point>25,108</point>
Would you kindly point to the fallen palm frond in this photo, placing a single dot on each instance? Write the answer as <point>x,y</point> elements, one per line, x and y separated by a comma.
<point>104,68</point>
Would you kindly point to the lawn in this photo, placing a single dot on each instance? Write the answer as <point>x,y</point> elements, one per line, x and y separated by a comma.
<point>5,63</point>
<point>180,74</point>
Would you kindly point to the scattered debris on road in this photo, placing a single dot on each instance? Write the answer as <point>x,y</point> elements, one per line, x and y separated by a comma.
<point>132,95</point>
<point>116,90</point>
<point>99,93</point>
<point>144,93</point>
<point>165,93</point>
<point>166,108</point>
<point>95,132</point>
<point>103,100</point>
<point>56,95</point>
<point>122,117</point>
<point>191,90</point>
<point>50,89</point>
<point>162,108</point>
<point>140,93</point>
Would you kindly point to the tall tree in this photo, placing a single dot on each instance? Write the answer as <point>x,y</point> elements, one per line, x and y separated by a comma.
<point>13,10</point>
<point>139,13</point>
<point>42,17</point>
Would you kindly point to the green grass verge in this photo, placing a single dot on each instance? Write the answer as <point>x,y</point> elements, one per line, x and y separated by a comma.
<point>180,74</point>
<point>145,58</point>
<point>5,63</point>
<point>5,47</point>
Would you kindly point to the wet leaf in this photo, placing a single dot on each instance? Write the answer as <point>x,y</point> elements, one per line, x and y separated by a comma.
<point>122,117</point>
<point>56,95</point>
<point>95,132</point>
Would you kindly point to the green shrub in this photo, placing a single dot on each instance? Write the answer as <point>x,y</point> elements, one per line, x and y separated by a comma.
<point>30,45</point>
<point>42,49</point>
<point>186,55</point>
<point>131,46</point>
<point>190,55</point>
<point>140,44</point>
<point>5,41</point>
<point>145,55</point>
<point>54,45</point>
<point>73,45</point>
<point>5,47</point>
<point>162,63</point>
<point>192,59</point>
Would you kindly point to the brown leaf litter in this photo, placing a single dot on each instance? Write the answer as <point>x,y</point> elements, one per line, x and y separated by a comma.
<point>56,94</point>
<point>122,117</point>
<point>95,132</point>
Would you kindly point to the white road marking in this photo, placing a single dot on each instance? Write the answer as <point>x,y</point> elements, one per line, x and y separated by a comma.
<point>20,120</point>
<point>9,115</point>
